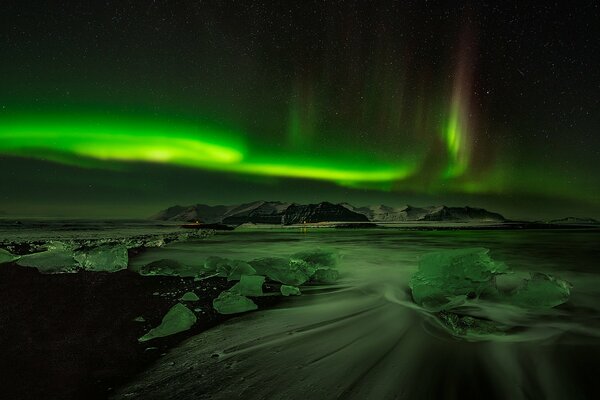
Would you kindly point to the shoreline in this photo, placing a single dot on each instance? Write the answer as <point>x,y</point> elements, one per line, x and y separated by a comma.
<point>74,335</point>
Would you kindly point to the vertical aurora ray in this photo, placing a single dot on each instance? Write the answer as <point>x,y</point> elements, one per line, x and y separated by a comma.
<point>458,129</point>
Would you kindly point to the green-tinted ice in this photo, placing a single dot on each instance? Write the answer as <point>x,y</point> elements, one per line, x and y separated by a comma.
<point>288,290</point>
<point>166,267</point>
<point>317,266</point>
<point>541,291</point>
<point>448,280</point>
<point>189,296</point>
<point>249,285</point>
<point>178,319</point>
<point>233,303</point>
<point>283,270</point>
<point>103,258</point>
<point>7,256</point>
<point>230,269</point>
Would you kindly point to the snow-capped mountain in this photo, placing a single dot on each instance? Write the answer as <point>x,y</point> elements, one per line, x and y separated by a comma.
<point>276,212</point>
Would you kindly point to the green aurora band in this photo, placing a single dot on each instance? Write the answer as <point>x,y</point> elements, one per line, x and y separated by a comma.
<point>113,141</point>
<point>184,144</point>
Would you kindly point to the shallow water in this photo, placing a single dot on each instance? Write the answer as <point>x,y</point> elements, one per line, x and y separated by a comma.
<point>365,338</point>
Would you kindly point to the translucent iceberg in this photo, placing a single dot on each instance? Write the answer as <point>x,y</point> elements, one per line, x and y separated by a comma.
<point>249,285</point>
<point>326,276</point>
<point>233,303</point>
<point>58,258</point>
<point>230,269</point>
<point>445,279</point>
<point>7,256</point>
<point>178,319</point>
<point>167,267</point>
<point>289,272</point>
<point>541,291</point>
<point>103,258</point>
<point>317,258</point>
<point>473,296</point>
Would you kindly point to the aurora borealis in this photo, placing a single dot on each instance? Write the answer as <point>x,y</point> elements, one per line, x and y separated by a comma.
<point>221,102</point>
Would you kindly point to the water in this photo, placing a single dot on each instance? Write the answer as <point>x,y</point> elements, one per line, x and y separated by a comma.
<point>365,338</point>
<point>32,230</point>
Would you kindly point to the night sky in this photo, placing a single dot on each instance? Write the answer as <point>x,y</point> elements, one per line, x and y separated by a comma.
<point>119,108</point>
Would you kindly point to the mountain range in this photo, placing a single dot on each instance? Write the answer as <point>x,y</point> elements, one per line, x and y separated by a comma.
<point>276,212</point>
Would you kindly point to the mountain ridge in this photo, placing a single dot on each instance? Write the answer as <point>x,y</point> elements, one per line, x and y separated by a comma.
<point>285,213</point>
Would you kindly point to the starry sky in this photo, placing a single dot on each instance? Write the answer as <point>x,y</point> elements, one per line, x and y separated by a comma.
<point>120,108</point>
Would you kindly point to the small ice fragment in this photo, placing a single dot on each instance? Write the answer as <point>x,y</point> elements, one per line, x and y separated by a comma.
<point>288,290</point>
<point>178,319</point>
<point>139,319</point>
<point>233,303</point>
<point>189,296</point>
<point>249,285</point>
<point>230,269</point>
<point>6,256</point>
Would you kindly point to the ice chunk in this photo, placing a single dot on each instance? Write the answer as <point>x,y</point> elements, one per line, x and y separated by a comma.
<point>230,269</point>
<point>288,290</point>
<point>103,258</point>
<point>326,276</point>
<point>446,278</point>
<point>189,296</point>
<point>289,272</point>
<point>166,267</point>
<point>57,259</point>
<point>178,319</point>
<point>139,319</point>
<point>541,291</point>
<point>7,256</point>
<point>249,285</point>
<point>233,303</point>
<point>317,258</point>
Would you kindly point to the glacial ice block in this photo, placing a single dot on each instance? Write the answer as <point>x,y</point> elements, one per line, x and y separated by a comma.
<point>541,291</point>
<point>7,256</point>
<point>108,258</point>
<point>230,269</point>
<point>317,258</point>
<point>446,278</point>
<point>57,259</point>
<point>326,276</point>
<point>178,319</point>
<point>289,272</point>
<point>249,285</point>
<point>166,267</point>
<point>233,303</point>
